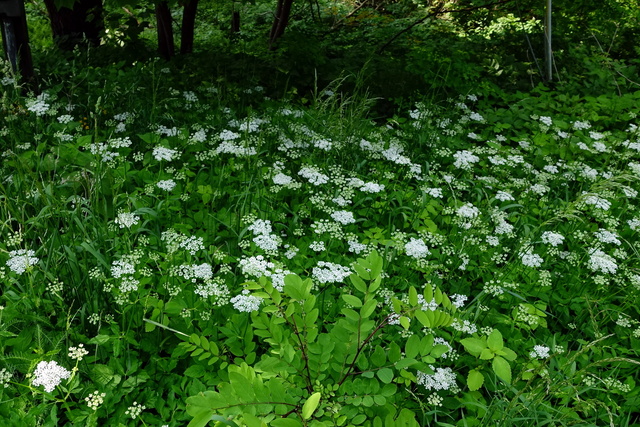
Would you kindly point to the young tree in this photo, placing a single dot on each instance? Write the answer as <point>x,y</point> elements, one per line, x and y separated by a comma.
<point>75,21</point>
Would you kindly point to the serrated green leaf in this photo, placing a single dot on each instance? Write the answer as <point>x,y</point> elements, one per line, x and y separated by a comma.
<point>352,300</point>
<point>310,405</point>
<point>502,369</point>
<point>509,354</point>
<point>487,354</point>
<point>474,345</point>
<point>475,380</point>
<point>494,341</point>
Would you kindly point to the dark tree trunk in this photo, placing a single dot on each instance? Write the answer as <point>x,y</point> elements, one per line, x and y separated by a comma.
<point>70,27</point>
<point>15,39</point>
<point>283,11</point>
<point>164,22</point>
<point>235,22</point>
<point>188,26</point>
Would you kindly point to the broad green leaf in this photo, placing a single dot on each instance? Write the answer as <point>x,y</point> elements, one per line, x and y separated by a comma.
<point>487,354</point>
<point>423,318</point>
<point>494,341</point>
<point>412,348</point>
<point>368,308</point>
<point>378,357</point>
<point>413,296</point>
<point>352,300</point>
<point>358,283</point>
<point>474,345</point>
<point>509,354</point>
<point>310,405</point>
<point>475,380</point>
<point>385,375</point>
<point>375,284</point>
<point>293,287</point>
<point>285,422</point>
<point>405,322</point>
<point>502,369</point>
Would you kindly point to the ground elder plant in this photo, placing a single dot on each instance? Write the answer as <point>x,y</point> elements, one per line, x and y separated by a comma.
<point>191,261</point>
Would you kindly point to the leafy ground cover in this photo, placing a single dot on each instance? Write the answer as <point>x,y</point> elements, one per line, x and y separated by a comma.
<point>202,255</point>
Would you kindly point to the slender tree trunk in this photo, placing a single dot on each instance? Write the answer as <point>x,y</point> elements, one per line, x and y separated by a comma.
<point>188,26</point>
<point>15,39</point>
<point>166,46</point>
<point>70,26</point>
<point>283,11</point>
<point>235,22</point>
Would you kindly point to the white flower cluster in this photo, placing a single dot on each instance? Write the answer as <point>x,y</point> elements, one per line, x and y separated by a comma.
<point>551,238</point>
<point>166,185</point>
<point>416,248</point>
<point>343,217</point>
<point>468,211</point>
<point>213,287</point>
<point>255,266</point>
<point>194,272</point>
<point>163,153</point>
<point>282,179</point>
<point>441,379</point>
<point>192,244</point>
<point>238,150</point>
<point>599,261</point>
<point>127,219</point>
<point>95,399</point>
<point>597,202</point>
<point>77,353</point>
<point>317,246</point>
<point>503,196</point>
<point>433,192</point>
<point>5,377</point>
<point>465,159</point>
<point>458,300</point>
<point>121,268</point>
<point>135,410</point>
<point>49,375</point>
<point>314,176</point>
<point>39,105</point>
<point>264,239</point>
<point>21,259</point>
<point>328,272</point>
<point>246,303</point>
<point>530,259</point>
<point>65,118</point>
<point>371,187</point>
<point>539,352</point>
<point>605,236</point>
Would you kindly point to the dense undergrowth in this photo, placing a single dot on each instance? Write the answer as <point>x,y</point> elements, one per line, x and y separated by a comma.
<point>249,242</point>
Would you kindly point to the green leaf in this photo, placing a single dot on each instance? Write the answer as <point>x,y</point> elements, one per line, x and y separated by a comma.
<point>509,354</point>
<point>378,358</point>
<point>293,287</point>
<point>405,322</point>
<point>368,308</point>
<point>487,354</point>
<point>502,369</point>
<point>310,405</point>
<point>412,348</point>
<point>423,318</point>
<point>352,300</point>
<point>385,375</point>
<point>358,283</point>
<point>475,380</point>
<point>474,345</point>
<point>413,296</point>
<point>494,341</point>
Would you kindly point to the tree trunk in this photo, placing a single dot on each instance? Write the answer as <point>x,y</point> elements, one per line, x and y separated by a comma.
<point>166,47</point>
<point>283,11</point>
<point>70,27</point>
<point>15,40</point>
<point>188,26</point>
<point>235,22</point>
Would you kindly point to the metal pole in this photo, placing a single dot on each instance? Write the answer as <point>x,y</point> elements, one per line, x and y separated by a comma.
<point>547,46</point>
